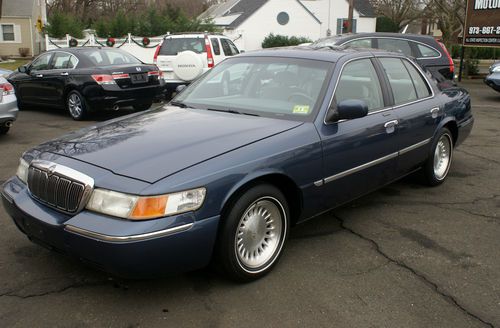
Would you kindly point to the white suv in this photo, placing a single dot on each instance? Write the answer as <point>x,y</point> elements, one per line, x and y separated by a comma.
<point>184,57</point>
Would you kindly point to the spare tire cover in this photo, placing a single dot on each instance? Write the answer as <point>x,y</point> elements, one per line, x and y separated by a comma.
<point>187,65</point>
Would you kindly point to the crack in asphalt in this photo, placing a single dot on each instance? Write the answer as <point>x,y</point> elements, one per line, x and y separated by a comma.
<point>421,276</point>
<point>56,291</point>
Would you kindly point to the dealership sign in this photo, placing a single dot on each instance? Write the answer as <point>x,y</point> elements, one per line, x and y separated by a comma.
<point>482,23</point>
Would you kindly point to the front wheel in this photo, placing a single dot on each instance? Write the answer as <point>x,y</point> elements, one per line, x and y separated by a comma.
<point>253,233</point>
<point>76,105</point>
<point>438,164</point>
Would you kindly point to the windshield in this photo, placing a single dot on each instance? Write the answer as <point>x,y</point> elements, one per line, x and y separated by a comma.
<point>266,86</point>
<point>106,57</point>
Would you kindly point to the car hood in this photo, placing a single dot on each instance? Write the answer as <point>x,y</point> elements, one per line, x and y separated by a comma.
<point>155,144</point>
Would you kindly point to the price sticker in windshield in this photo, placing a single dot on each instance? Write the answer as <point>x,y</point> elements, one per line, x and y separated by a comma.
<point>301,109</point>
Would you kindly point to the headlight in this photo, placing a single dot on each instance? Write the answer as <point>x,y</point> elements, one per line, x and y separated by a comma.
<point>143,208</point>
<point>496,69</point>
<point>22,170</point>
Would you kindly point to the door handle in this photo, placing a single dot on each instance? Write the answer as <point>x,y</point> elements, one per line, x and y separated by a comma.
<point>434,112</point>
<point>39,75</point>
<point>64,73</point>
<point>390,126</point>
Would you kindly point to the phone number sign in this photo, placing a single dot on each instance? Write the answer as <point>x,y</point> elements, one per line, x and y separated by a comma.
<point>482,23</point>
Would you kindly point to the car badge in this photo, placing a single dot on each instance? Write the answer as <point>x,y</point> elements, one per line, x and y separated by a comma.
<point>138,69</point>
<point>51,170</point>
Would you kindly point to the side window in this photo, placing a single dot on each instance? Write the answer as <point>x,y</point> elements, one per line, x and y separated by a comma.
<point>228,47</point>
<point>73,61</point>
<point>361,43</point>
<point>395,45</point>
<point>60,60</point>
<point>418,81</point>
<point>215,46</point>
<point>426,52</point>
<point>41,63</point>
<point>359,80</point>
<point>400,80</point>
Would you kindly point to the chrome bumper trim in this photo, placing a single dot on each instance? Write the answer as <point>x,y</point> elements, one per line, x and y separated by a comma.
<point>131,238</point>
<point>415,146</point>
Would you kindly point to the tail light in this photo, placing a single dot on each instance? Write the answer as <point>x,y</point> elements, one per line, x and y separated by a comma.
<point>7,88</point>
<point>210,57</point>
<point>157,51</point>
<point>452,67</point>
<point>109,79</point>
<point>158,73</point>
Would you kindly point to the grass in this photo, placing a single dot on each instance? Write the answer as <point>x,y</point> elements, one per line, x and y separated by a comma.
<point>14,65</point>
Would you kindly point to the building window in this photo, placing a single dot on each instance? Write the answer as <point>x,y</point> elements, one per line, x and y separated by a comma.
<point>283,18</point>
<point>8,32</point>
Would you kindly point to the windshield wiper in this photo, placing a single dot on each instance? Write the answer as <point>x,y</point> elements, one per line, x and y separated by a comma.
<point>180,104</point>
<point>232,111</point>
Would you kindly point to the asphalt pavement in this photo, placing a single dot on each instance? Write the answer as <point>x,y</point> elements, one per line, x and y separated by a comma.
<point>404,256</point>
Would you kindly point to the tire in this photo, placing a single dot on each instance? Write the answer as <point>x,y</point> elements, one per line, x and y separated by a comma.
<point>141,107</point>
<point>4,130</point>
<point>436,170</point>
<point>253,233</point>
<point>76,105</point>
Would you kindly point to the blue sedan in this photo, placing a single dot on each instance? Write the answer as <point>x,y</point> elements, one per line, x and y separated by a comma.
<point>260,143</point>
<point>493,79</point>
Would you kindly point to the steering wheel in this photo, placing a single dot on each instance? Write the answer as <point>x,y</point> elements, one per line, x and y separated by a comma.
<point>301,96</point>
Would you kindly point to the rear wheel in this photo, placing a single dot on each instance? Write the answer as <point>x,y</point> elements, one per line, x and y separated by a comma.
<point>4,129</point>
<point>253,233</point>
<point>438,164</point>
<point>76,105</point>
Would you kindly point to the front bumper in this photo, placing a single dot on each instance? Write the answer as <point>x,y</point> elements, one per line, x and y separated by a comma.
<point>8,109</point>
<point>121,247</point>
<point>493,81</point>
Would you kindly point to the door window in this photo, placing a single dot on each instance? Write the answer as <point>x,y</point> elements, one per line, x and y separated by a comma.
<point>395,45</point>
<point>41,63</point>
<point>61,60</point>
<point>215,46</point>
<point>360,43</point>
<point>359,80</point>
<point>229,47</point>
<point>421,86</point>
<point>73,61</point>
<point>400,80</point>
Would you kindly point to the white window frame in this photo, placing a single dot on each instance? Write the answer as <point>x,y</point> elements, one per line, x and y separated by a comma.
<point>17,33</point>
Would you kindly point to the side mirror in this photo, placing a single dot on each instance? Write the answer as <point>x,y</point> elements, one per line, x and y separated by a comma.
<point>23,69</point>
<point>347,110</point>
<point>180,88</point>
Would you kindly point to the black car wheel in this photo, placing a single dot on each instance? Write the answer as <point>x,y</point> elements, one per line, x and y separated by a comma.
<point>141,107</point>
<point>253,233</point>
<point>4,129</point>
<point>76,105</point>
<point>438,164</point>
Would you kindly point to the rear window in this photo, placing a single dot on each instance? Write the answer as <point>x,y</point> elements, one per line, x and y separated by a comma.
<point>427,52</point>
<point>102,57</point>
<point>172,46</point>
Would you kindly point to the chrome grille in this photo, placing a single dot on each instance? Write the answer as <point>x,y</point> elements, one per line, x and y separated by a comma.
<point>54,185</point>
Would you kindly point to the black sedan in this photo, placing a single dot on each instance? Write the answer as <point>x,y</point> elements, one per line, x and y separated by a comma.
<point>87,79</point>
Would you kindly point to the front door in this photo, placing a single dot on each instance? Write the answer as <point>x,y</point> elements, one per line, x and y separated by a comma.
<point>359,155</point>
<point>33,89</point>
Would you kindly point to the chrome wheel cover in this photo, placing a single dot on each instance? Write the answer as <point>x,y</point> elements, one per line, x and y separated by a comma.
<point>75,105</point>
<point>442,156</point>
<point>260,234</point>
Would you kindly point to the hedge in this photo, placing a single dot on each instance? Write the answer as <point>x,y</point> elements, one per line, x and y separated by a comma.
<point>272,41</point>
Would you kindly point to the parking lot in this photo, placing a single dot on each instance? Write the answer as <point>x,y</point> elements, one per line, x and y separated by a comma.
<point>405,256</point>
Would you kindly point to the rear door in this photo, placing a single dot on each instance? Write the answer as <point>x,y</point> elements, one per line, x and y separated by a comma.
<point>173,45</point>
<point>359,155</point>
<point>417,111</point>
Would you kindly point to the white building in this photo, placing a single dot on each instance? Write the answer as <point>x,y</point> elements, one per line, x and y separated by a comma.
<point>248,22</point>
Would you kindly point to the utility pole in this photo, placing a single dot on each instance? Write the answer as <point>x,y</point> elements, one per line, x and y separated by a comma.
<point>349,17</point>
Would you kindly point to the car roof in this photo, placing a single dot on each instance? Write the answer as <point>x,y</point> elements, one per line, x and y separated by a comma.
<point>351,36</point>
<point>331,54</point>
